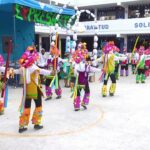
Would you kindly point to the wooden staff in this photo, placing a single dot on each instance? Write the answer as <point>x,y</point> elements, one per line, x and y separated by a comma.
<point>6,68</point>
<point>137,39</point>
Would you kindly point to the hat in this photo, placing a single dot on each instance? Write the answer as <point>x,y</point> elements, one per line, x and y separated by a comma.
<point>31,48</point>
<point>28,58</point>
<point>111,42</point>
<point>84,45</point>
<point>141,49</point>
<point>108,47</point>
<point>79,55</point>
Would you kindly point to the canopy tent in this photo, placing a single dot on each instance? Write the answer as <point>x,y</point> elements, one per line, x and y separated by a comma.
<point>21,32</point>
<point>39,6</point>
<point>37,12</point>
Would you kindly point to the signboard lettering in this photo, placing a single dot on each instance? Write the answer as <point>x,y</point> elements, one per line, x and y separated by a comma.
<point>40,16</point>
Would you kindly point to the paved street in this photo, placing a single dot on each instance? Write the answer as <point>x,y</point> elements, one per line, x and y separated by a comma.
<point>121,122</point>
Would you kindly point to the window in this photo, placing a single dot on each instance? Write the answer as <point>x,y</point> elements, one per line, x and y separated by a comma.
<point>139,11</point>
<point>110,13</point>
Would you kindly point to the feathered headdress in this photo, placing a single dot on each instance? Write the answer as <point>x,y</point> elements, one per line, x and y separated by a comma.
<point>108,47</point>
<point>79,55</point>
<point>29,57</point>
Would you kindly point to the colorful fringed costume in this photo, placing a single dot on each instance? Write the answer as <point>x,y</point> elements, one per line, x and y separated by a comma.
<point>82,70</point>
<point>32,89</point>
<point>141,65</point>
<point>2,69</point>
<point>147,63</point>
<point>108,60</point>
<point>53,77</point>
<point>4,85</point>
<point>54,61</point>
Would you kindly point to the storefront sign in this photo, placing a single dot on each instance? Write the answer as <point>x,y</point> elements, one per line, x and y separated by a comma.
<point>40,28</point>
<point>142,25</point>
<point>39,16</point>
<point>117,27</point>
<point>97,27</point>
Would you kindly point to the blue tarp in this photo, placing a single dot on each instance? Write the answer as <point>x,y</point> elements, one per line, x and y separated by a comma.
<point>39,5</point>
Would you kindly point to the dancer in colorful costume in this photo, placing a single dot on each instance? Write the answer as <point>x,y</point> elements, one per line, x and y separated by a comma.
<point>108,59</point>
<point>141,66</point>
<point>54,61</point>
<point>72,67</point>
<point>2,85</point>
<point>32,89</point>
<point>124,64</point>
<point>82,70</point>
<point>147,63</point>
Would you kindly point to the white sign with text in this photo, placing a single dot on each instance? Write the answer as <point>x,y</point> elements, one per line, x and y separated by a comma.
<point>121,26</point>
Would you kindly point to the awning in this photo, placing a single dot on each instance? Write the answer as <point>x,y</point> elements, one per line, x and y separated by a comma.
<point>39,6</point>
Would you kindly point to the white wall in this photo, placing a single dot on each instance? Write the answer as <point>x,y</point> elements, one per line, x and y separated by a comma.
<point>107,27</point>
<point>42,29</point>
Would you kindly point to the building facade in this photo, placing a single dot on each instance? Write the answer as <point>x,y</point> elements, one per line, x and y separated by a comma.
<point>119,20</point>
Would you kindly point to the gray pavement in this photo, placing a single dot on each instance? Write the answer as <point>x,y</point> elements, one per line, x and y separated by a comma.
<point>121,122</point>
